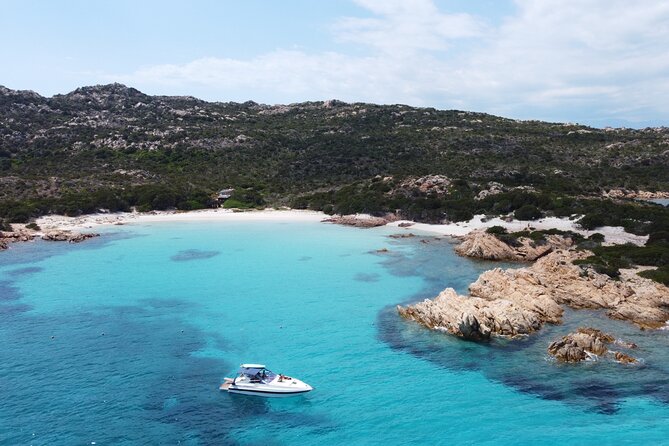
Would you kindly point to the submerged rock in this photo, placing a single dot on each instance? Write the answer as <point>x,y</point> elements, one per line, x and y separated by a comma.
<point>625,359</point>
<point>404,235</point>
<point>482,245</point>
<point>67,236</point>
<point>576,347</point>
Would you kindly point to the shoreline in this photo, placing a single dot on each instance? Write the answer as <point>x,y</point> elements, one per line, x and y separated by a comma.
<point>90,221</point>
<point>613,234</point>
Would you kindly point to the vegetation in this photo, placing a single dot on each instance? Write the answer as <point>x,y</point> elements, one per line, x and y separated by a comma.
<point>111,136</point>
<point>609,259</point>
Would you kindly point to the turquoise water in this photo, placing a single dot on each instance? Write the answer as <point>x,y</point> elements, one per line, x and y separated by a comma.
<point>124,340</point>
<point>662,201</point>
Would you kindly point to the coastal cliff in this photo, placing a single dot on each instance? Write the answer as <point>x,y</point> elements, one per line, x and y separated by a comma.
<point>519,301</point>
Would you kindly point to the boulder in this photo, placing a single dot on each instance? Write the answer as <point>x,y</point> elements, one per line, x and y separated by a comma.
<point>625,359</point>
<point>359,221</point>
<point>472,318</point>
<point>577,346</point>
<point>67,236</point>
<point>482,245</point>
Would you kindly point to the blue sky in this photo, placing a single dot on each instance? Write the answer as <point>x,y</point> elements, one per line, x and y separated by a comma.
<point>599,62</point>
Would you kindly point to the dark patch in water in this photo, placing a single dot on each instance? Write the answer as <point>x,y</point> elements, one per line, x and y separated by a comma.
<point>524,363</point>
<point>25,271</point>
<point>129,374</point>
<point>167,304</point>
<point>193,254</point>
<point>14,309</point>
<point>304,258</point>
<point>8,291</point>
<point>365,277</point>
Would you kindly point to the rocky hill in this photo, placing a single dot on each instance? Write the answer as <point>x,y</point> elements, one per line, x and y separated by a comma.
<point>113,136</point>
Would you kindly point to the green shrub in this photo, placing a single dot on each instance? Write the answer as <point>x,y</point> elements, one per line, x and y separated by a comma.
<point>34,226</point>
<point>592,221</point>
<point>527,212</point>
<point>496,230</point>
<point>660,274</point>
<point>232,203</point>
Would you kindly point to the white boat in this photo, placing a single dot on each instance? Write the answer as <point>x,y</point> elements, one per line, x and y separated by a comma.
<point>258,380</point>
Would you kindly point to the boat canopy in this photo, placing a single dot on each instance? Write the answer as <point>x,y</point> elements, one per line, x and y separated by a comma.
<point>253,366</point>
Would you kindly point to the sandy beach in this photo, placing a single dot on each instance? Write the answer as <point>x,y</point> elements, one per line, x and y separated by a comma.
<point>84,222</point>
<point>614,235</point>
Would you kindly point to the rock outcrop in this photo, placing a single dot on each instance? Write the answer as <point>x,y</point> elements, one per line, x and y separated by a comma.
<point>67,236</point>
<point>576,347</point>
<point>640,194</point>
<point>18,235</point>
<point>359,221</point>
<point>554,278</point>
<point>434,184</point>
<point>519,301</point>
<point>482,245</point>
<point>625,359</point>
<point>473,318</point>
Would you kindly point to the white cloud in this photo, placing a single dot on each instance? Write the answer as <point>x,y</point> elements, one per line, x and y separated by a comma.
<point>560,59</point>
<point>403,27</point>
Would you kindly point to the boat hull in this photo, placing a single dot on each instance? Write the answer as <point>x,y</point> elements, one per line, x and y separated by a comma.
<point>267,393</point>
<point>275,389</point>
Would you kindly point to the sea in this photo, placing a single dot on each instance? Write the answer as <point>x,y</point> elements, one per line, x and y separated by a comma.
<point>124,340</point>
<point>662,201</point>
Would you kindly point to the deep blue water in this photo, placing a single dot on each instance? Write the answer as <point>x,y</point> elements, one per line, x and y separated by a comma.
<point>124,340</point>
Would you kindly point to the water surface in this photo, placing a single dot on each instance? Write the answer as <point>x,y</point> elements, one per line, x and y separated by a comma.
<point>124,340</point>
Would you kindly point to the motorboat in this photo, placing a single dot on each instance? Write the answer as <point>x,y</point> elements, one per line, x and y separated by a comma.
<point>258,380</point>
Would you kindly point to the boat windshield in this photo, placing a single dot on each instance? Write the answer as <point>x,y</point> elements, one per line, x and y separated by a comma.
<point>258,374</point>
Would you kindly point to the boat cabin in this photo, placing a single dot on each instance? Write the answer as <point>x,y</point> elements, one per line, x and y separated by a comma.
<point>256,373</point>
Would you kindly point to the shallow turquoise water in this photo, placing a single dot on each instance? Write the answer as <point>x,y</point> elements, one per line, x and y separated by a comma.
<point>124,340</point>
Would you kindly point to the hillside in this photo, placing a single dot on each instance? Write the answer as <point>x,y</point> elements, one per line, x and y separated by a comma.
<point>115,146</point>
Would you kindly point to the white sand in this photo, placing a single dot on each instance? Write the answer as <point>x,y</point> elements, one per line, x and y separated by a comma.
<point>614,235</point>
<point>93,220</point>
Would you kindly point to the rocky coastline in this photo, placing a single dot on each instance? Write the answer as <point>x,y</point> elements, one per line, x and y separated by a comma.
<point>516,302</point>
<point>23,234</point>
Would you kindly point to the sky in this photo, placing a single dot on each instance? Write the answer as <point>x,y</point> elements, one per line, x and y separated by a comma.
<point>596,62</point>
